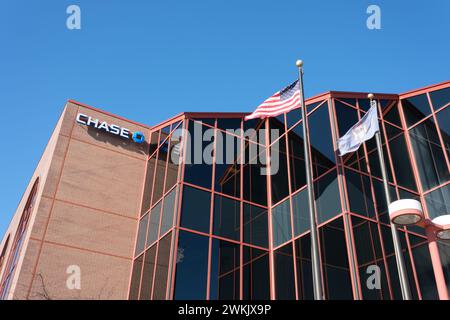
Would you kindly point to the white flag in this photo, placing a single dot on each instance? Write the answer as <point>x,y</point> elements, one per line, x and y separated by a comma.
<point>362,131</point>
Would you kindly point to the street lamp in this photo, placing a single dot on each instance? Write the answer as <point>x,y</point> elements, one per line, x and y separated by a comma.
<point>406,212</point>
<point>442,224</point>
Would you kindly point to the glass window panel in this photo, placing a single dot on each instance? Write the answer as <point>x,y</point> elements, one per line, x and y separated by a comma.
<point>440,98</point>
<point>297,158</point>
<point>147,276</point>
<point>209,121</point>
<point>416,108</point>
<point>195,211</point>
<point>359,194</point>
<point>322,152</point>
<point>170,204</point>
<point>326,194</point>
<point>438,202</point>
<point>293,117</point>
<point>154,142</point>
<point>284,273</point>
<point>279,171</point>
<point>443,119</point>
<point>227,218</point>
<point>424,269</point>
<point>160,172</point>
<point>310,106</point>
<point>380,199</point>
<point>364,104</point>
<point>346,117</point>
<point>229,123</point>
<point>300,206</point>
<point>444,252</point>
<point>198,166</point>
<point>225,270</point>
<point>304,268</point>
<point>335,261</point>
<point>255,181</point>
<point>277,128</point>
<point>142,232</point>
<point>401,162</point>
<point>192,267</point>
<point>256,277</point>
<point>393,116</point>
<point>162,268</point>
<point>155,215</point>
<point>255,225</point>
<point>173,163</point>
<point>281,223</point>
<point>350,101</point>
<point>136,278</point>
<point>429,155</point>
<point>148,185</point>
<point>228,165</point>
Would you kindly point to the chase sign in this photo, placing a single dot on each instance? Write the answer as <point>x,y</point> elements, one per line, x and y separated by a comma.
<point>137,136</point>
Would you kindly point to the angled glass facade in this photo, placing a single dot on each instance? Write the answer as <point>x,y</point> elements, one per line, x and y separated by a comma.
<point>214,226</point>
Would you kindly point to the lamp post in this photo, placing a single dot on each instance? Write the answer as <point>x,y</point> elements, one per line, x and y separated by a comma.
<point>408,212</point>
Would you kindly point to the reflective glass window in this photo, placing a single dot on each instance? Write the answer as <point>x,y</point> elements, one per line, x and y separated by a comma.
<point>322,152</point>
<point>199,155</point>
<point>443,119</point>
<point>300,206</point>
<point>279,171</point>
<point>304,268</point>
<point>136,278</point>
<point>195,211</point>
<point>429,155</point>
<point>155,215</point>
<point>191,267</point>
<point>297,158</point>
<point>346,117</point>
<point>228,165</point>
<point>225,270</point>
<point>232,124</point>
<point>255,179</point>
<point>326,194</point>
<point>415,109</point>
<point>401,163</point>
<point>440,98</point>
<point>148,186</point>
<point>170,204</point>
<point>147,275</point>
<point>256,277</point>
<point>438,202</point>
<point>142,232</point>
<point>162,268</point>
<point>227,218</point>
<point>281,223</point>
<point>160,172</point>
<point>255,225</point>
<point>360,194</point>
<point>284,273</point>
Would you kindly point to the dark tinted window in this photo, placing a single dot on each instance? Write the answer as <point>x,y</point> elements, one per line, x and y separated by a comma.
<point>301,212</point>
<point>359,194</point>
<point>136,278</point>
<point>155,215</point>
<point>228,169</point>
<point>198,167</point>
<point>416,108</point>
<point>255,181</point>
<point>297,158</point>
<point>326,193</point>
<point>229,123</point>
<point>440,98</point>
<point>401,162</point>
<point>438,202</point>
<point>226,218</point>
<point>195,210</point>
<point>255,225</point>
<point>162,268</point>
<point>160,172</point>
<point>443,119</point>
<point>284,273</point>
<point>304,268</point>
<point>168,212</point>
<point>256,278</point>
<point>148,187</point>
<point>147,276</point>
<point>191,267</point>
<point>225,270</point>
<point>346,117</point>
<point>321,140</point>
<point>429,155</point>
<point>281,223</point>
<point>279,171</point>
<point>142,232</point>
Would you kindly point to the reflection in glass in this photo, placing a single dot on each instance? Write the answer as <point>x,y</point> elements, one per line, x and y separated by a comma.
<point>225,270</point>
<point>279,171</point>
<point>191,267</point>
<point>438,202</point>
<point>326,193</point>
<point>170,204</point>
<point>195,210</point>
<point>256,278</point>
<point>228,169</point>
<point>255,225</point>
<point>142,232</point>
<point>284,273</point>
<point>136,278</point>
<point>416,108</point>
<point>281,223</point>
<point>227,218</point>
<point>443,119</point>
<point>304,268</point>
<point>297,157</point>
<point>429,155</point>
<point>440,98</point>
<point>155,215</point>
<point>359,194</point>
<point>162,268</point>
<point>300,206</point>
<point>147,275</point>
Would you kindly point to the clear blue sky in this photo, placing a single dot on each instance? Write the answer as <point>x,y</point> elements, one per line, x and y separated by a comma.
<point>149,60</point>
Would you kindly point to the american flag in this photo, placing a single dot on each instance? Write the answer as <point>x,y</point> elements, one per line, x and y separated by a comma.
<point>284,100</point>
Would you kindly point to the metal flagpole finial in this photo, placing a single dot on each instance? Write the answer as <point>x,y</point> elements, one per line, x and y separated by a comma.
<point>370,96</point>
<point>299,63</point>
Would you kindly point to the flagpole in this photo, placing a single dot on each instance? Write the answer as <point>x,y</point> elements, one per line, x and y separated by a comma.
<point>317,274</point>
<point>402,274</point>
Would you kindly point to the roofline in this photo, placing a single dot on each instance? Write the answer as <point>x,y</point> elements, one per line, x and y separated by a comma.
<point>436,86</point>
<point>108,113</point>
